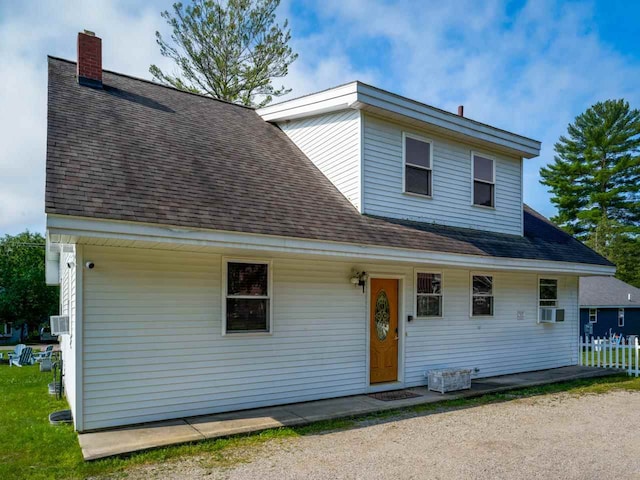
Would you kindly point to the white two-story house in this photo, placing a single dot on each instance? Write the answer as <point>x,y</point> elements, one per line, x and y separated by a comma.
<point>212,257</point>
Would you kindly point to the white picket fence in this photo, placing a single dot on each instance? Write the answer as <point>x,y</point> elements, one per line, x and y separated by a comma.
<point>605,353</point>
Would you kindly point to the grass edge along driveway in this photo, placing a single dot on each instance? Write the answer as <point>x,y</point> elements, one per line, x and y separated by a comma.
<point>34,449</point>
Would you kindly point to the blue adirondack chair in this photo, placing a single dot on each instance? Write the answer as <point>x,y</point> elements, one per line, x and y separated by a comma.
<point>26,358</point>
<point>46,353</point>
<point>16,352</point>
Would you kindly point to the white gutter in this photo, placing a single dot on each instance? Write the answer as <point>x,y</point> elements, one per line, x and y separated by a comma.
<point>64,228</point>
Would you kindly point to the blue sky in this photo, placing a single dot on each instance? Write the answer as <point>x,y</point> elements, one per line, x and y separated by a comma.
<point>525,66</point>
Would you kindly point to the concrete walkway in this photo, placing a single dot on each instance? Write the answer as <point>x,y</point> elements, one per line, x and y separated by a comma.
<point>119,441</point>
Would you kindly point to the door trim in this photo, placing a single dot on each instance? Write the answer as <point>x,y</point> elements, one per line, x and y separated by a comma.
<point>378,387</point>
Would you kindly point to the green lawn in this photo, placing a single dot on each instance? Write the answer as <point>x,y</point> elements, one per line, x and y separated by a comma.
<point>615,356</point>
<point>34,449</point>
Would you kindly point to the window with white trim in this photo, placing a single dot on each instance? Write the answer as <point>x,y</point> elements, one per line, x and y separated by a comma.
<point>483,181</point>
<point>621,317</point>
<point>428,294</point>
<point>548,292</point>
<point>417,165</point>
<point>247,306</point>
<point>593,315</point>
<point>481,295</point>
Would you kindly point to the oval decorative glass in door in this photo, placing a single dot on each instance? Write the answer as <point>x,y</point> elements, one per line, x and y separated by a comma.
<point>382,315</point>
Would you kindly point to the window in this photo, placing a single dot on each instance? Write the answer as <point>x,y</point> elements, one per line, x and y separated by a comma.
<point>417,165</point>
<point>247,302</point>
<point>621,317</point>
<point>593,315</point>
<point>483,181</point>
<point>428,294</point>
<point>548,292</point>
<point>481,295</point>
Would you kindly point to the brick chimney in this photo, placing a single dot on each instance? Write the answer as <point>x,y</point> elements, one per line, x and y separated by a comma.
<point>461,110</point>
<point>89,59</point>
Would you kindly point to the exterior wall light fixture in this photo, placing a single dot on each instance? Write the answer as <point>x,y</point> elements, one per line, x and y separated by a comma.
<point>359,278</point>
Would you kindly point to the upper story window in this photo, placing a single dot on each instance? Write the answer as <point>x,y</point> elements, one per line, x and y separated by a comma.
<point>418,165</point>
<point>484,184</point>
<point>593,315</point>
<point>247,302</point>
<point>548,292</point>
<point>481,295</point>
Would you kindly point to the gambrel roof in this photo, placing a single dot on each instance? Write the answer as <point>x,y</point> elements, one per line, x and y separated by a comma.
<point>142,152</point>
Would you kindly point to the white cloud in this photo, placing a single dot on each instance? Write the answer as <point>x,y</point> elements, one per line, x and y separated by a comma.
<point>28,32</point>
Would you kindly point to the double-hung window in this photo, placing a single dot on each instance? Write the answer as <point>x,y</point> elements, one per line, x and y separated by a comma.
<point>548,292</point>
<point>621,317</point>
<point>428,294</point>
<point>593,315</point>
<point>484,182</point>
<point>481,295</point>
<point>247,302</point>
<point>418,165</point>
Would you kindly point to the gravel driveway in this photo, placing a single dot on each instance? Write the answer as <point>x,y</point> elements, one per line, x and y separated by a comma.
<point>554,436</point>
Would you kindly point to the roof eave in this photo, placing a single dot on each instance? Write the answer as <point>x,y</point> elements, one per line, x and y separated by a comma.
<point>68,229</point>
<point>358,95</point>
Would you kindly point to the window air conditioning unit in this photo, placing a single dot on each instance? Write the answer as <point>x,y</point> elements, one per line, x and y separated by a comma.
<point>59,324</point>
<point>551,315</point>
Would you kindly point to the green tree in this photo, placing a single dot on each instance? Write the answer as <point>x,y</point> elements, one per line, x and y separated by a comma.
<point>230,51</point>
<point>24,296</point>
<point>595,182</point>
<point>625,253</point>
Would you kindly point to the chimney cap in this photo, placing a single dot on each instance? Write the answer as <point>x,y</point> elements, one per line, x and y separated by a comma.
<point>89,32</point>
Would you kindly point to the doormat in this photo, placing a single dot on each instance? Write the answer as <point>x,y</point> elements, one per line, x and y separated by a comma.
<point>395,395</point>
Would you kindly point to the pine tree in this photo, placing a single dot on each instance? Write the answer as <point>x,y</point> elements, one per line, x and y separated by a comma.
<point>595,176</point>
<point>230,51</point>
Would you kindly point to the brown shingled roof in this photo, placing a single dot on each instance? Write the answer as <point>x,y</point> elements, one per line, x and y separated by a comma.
<point>142,152</point>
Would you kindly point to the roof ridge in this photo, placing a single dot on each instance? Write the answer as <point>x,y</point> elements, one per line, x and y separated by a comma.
<point>66,60</point>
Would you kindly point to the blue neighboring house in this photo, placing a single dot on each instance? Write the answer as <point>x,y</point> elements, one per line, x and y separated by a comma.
<point>10,335</point>
<point>608,306</point>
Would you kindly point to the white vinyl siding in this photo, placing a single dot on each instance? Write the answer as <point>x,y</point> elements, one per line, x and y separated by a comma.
<point>332,143</point>
<point>496,345</point>
<point>68,343</point>
<point>452,184</point>
<point>153,347</point>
